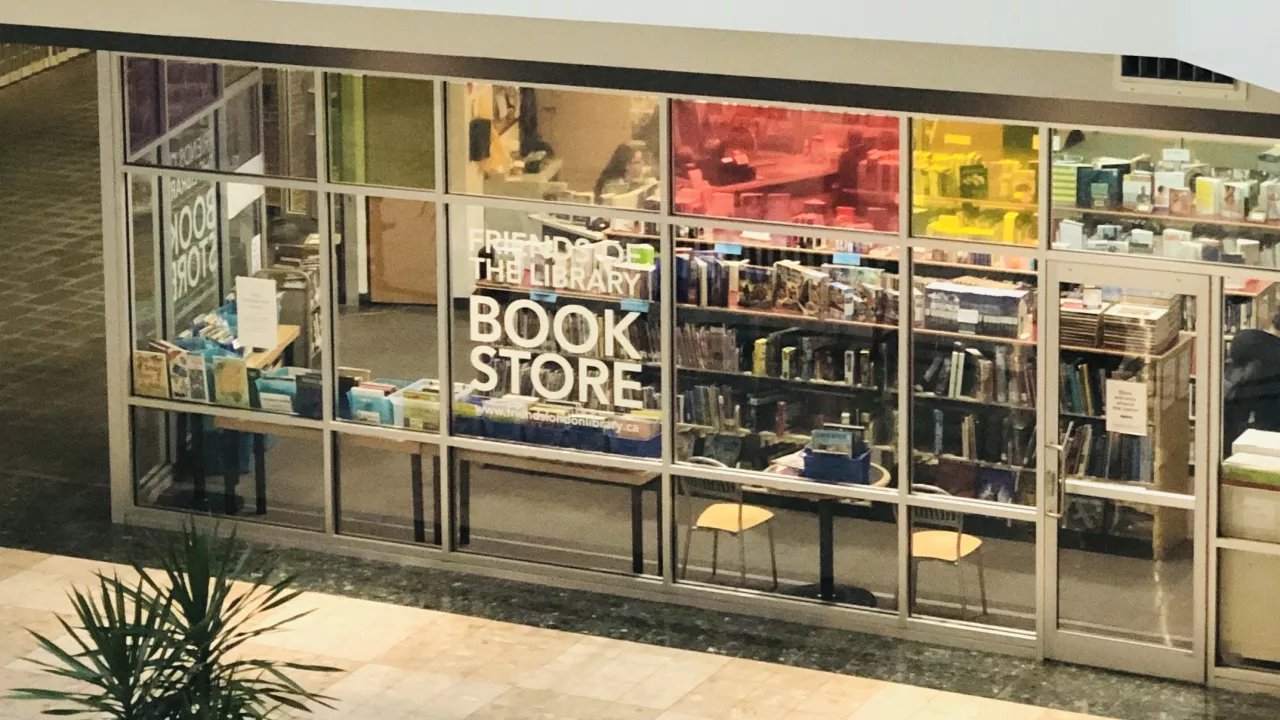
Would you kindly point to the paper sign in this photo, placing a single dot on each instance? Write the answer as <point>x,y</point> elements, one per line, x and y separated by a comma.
<point>635,305</point>
<point>967,316</point>
<point>728,248</point>
<point>1177,154</point>
<point>1127,407</point>
<point>257,317</point>
<point>847,258</point>
<point>545,296</point>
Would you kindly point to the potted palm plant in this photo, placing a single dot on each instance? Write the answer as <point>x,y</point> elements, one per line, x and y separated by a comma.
<point>171,645</point>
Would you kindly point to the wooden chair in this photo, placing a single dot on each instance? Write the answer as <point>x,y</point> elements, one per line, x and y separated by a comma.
<point>945,542</point>
<point>729,515</point>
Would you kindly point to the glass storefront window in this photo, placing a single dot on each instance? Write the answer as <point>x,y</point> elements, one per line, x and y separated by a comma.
<point>786,354</point>
<point>238,119</point>
<point>975,181</point>
<point>386,319</point>
<point>387,489</point>
<point>516,507</point>
<point>251,470</point>
<point>973,568</point>
<point>974,376</point>
<point>228,296</point>
<point>777,164</point>
<point>549,144</point>
<point>381,131</point>
<point>1182,199</point>
<point>557,330</point>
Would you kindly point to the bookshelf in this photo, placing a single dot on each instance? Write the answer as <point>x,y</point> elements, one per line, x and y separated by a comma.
<point>1158,461</point>
<point>1165,217</point>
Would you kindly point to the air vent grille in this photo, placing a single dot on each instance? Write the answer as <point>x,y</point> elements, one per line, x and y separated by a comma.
<point>1158,68</point>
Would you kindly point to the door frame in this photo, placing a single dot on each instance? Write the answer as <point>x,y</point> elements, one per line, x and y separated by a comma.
<point>1120,653</point>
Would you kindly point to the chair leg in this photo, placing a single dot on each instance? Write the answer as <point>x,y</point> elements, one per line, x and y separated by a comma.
<point>982,582</point>
<point>773,555</point>
<point>742,554</point>
<point>964,597</point>
<point>715,552</point>
<point>688,542</point>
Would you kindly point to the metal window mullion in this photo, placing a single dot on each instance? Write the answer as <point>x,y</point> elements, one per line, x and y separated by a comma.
<point>903,429</point>
<point>666,331</point>
<point>444,317</point>
<point>328,340</point>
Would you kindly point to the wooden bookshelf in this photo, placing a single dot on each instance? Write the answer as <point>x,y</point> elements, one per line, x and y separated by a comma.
<point>1164,216</point>
<point>973,336</point>
<point>966,400</point>
<point>934,202</point>
<point>774,317</point>
<point>573,294</point>
<point>815,385</point>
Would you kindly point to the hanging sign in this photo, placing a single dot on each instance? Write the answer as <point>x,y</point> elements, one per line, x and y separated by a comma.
<point>1127,407</point>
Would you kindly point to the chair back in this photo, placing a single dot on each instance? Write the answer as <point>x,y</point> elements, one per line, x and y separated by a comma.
<point>709,489</point>
<point>933,517</point>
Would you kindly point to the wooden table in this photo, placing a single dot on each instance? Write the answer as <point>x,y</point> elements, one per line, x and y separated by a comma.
<point>263,359</point>
<point>637,481</point>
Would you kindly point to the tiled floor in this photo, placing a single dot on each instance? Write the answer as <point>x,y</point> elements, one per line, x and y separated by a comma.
<point>400,663</point>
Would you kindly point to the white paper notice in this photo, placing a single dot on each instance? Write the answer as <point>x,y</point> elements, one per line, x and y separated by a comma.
<point>256,315</point>
<point>1127,407</point>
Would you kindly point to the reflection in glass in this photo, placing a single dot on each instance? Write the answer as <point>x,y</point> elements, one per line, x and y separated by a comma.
<point>381,131</point>
<point>1250,413</point>
<point>583,516</point>
<point>551,144</point>
<point>786,354</point>
<point>973,568</point>
<point>785,165</point>
<point>254,121</point>
<point>387,339</point>
<point>794,543</point>
<point>1126,571</point>
<point>1114,338</point>
<point>387,489</point>
<point>975,181</point>
<point>1194,200</point>
<point>974,378</point>
<point>190,342</point>
<point>556,336</point>
<point>254,471</point>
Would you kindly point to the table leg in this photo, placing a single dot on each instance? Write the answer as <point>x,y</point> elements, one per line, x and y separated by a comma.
<point>260,472</point>
<point>464,502</point>
<point>637,530</point>
<point>230,470</point>
<point>419,510</point>
<point>199,488</point>
<point>437,534</point>
<point>826,550</point>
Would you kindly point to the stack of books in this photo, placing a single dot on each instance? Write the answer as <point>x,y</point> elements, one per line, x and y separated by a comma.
<point>1140,328</point>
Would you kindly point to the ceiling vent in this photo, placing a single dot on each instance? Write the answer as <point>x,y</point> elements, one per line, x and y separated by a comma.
<point>1170,76</point>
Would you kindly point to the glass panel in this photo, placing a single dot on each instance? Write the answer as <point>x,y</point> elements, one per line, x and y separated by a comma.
<point>387,346</point>
<point>254,471</point>
<point>1246,593</point>
<point>193,340</point>
<point>1126,571</point>
<point>381,131</point>
<point>556,336</point>
<point>388,489</point>
<point>551,144</point>
<point>1183,199</point>
<point>1124,379</point>
<point>798,544</point>
<point>974,568</point>
<point>785,165</point>
<point>786,353</point>
<point>974,376</point>
<point>260,121</point>
<point>1250,413</point>
<point>583,516</point>
<point>975,181</point>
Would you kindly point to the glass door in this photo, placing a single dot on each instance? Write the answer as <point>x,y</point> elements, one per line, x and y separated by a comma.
<point>1126,457</point>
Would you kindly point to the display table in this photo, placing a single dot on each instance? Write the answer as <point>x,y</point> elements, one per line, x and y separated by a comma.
<point>637,481</point>
<point>263,359</point>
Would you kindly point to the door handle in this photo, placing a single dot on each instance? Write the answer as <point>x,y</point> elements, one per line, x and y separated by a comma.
<point>1054,484</point>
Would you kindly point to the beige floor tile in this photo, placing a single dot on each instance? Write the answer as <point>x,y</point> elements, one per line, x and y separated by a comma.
<point>894,702</point>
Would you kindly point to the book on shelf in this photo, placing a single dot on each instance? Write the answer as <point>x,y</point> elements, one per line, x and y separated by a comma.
<point>979,306</point>
<point>230,381</point>
<point>967,372</point>
<point>150,373</point>
<point>1089,451</point>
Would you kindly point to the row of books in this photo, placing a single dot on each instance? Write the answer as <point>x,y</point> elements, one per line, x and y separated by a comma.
<point>1008,377</point>
<point>1143,325</point>
<point>788,354</point>
<point>832,291</point>
<point>990,439</point>
<point>979,306</point>
<point>1082,385</point>
<point>1090,451</point>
